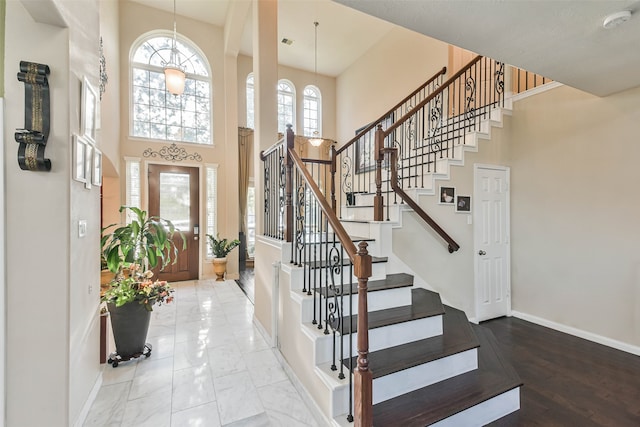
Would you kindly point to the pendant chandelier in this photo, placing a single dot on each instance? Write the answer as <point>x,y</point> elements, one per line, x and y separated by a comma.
<point>316,140</point>
<point>174,75</point>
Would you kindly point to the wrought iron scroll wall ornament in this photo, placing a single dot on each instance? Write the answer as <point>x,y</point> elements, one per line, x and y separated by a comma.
<point>32,139</point>
<point>172,153</point>
<point>104,79</point>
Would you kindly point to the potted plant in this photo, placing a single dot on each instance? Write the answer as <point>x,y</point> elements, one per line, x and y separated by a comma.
<point>131,251</point>
<point>220,249</point>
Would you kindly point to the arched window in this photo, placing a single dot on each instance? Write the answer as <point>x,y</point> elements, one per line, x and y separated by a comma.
<point>157,114</point>
<point>286,105</point>
<point>312,108</point>
<point>250,102</point>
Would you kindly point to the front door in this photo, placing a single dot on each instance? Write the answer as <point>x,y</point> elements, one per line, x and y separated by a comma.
<point>174,195</point>
<point>492,242</point>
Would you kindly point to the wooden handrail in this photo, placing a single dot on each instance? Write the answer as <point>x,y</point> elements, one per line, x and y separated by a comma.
<point>453,246</point>
<point>428,99</point>
<point>352,141</point>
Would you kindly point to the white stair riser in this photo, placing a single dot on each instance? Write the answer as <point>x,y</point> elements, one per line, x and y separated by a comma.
<point>411,379</point>
<point>485,412</point>
<point>379,300</point>
<point>361,229</point>
<point>380,338</point>
<point>366,213</point>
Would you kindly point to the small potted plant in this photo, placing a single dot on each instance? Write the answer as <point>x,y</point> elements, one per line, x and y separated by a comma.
<point>131,251</point>
<point>220,249</point>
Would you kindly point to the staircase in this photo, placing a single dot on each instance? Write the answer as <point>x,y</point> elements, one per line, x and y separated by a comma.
<point>430,365</point>
<point>361,204</point>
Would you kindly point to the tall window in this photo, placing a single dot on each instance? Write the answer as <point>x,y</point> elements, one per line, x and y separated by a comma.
<point>251,219</point>
<point>212,207</point>
<point>156,113</point>
<point>132,194</point>
<point>250,102</point>
<point>312,108</point>
<point>286,105</point>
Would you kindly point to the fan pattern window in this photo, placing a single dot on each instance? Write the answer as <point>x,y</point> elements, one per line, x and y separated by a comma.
<point>156,113</point>
<point>312,105</point>
<point>286,105</point>
<point>250,102</point>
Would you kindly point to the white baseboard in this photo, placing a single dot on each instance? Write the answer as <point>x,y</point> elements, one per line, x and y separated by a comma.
<point>609,342</point>
<point>89,402</point>
<point>313,407</point>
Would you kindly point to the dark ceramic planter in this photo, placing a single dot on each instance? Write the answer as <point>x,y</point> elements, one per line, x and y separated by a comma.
<point>130,324</point>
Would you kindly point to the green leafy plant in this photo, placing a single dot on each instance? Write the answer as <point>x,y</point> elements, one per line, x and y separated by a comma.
<point>145,241</point>
<point>221,247</point>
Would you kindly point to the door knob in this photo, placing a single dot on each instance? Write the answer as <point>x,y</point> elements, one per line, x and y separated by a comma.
<point>482,252</point>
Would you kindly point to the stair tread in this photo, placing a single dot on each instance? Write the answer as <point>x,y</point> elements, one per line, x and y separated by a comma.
<point>392,281</point>
<point>424,303</point>
<point>323,263</point>
<point>438,401</point>
<point>457,337</point>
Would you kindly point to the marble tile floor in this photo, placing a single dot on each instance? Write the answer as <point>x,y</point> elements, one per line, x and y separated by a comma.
<point>210,366</point>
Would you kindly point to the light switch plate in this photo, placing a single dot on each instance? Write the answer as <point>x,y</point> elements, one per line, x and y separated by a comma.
<point>82,228</point>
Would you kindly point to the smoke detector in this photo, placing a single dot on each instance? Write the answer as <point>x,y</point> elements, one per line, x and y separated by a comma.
<point>616,19</point>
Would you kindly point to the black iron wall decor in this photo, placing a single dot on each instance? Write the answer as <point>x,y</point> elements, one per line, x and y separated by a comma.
<point>173,153</point>
<point>32,139</point>
<point>104,79</point>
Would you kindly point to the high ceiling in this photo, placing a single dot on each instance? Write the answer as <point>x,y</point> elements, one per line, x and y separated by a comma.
<point>560,39</point>
<point>344,34</point>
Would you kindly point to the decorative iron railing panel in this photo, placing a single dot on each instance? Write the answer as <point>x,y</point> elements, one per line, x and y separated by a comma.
<point>274,178</point>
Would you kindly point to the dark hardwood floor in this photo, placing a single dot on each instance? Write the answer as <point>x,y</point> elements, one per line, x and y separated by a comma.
<point>568,381</point>
<point>246,282</point>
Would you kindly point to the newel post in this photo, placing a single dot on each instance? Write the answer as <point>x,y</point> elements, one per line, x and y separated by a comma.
<point>333,157</point>
<point>378,202</point>
<point>363,379</point>
<point>288,186</point>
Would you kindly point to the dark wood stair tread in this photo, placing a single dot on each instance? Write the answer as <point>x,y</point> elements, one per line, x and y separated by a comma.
<point>323,263</point>
<point>392,281</point>
<point>424,303</point>
<point>457,337</point>
<point>441,400</point>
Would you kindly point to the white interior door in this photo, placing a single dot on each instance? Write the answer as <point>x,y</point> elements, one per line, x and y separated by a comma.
<point>492,242</point>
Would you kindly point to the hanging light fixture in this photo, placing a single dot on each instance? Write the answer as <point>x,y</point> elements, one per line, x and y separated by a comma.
<point>174,76</point>
<point>316,140</point>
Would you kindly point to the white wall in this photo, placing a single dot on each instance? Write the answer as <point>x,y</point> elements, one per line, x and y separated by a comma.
<point>574,211</point>
<point>383,76</point>
<point>52,317</point>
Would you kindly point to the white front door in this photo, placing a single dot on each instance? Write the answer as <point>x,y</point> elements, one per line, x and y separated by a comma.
<point>491,242</point>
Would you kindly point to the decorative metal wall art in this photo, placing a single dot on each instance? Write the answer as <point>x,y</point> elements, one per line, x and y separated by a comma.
<point>173,153</point>
<point>104,79</point>
<point>32,139</point>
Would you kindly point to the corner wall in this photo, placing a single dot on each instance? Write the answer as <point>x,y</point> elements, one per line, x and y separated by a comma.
<point>574,216</point>
<point>52,273</point>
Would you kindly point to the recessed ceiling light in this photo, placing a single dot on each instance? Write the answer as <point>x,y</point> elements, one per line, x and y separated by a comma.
<point>616,19</point>
<point>287,41</point>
